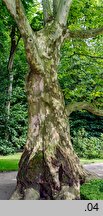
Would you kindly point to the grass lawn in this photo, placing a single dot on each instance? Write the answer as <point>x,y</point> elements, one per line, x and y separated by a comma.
<point>10,162</point>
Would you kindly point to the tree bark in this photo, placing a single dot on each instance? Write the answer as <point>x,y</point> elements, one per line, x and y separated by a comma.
<point>47,11</point>
<point>48,162</point>
<point>55,7</point>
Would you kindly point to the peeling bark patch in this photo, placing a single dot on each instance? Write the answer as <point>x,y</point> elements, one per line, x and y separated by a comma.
<point>35,124</point>
<point>35,120</point>
<point>41,85</point>
<point>54,135</point>
<point>38,85</point>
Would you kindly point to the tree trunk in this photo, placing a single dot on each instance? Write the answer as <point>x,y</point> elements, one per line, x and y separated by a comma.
<point>49,168</point>
<point>13,48</point>
<point>8,103</point>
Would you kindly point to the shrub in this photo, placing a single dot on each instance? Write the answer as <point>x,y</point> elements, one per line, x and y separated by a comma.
<point>6,147</point>
<point>88,147</point>
<point>93,190</point>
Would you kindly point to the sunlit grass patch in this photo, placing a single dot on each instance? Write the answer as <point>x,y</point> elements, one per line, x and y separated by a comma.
<point>10,162</point>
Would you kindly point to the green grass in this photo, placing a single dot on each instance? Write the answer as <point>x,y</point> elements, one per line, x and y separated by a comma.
<point>10,162</point>
<point>92,190</point>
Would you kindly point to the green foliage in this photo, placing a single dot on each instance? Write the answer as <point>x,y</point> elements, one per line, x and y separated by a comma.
<point>6,147</point>
<point>17,124</point>
<point>18,116</point>
<point>80,75</point>
<point>92,124</point>
<point>93,190</point>
<point>86,14</point>
<point>37,21</point>
<point>87,134</point>
<point>81,69</point>
<point>88,147</point>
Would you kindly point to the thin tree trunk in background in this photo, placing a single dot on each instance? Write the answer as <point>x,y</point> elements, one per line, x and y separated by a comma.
<point>14,45</point>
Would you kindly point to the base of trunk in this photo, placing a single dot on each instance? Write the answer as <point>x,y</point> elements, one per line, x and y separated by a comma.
<point>49,178</point>
<point>66,193</point>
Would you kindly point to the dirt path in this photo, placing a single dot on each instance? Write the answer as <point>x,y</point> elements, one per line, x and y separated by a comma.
<point>8,179</point>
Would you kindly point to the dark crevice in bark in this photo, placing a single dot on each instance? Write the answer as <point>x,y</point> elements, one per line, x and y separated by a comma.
<point>23,169</point>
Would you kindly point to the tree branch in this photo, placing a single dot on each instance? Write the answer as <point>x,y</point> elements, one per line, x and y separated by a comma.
<point>86,55</point>
<point>47,12</point>
<point>84,33</point>
<point>63,10</point>
<point>14,45</point>
<point>17,11</point>
<point>11,5</point>
<point>55,7</point>
<point>90,56</point>
<point>76,106</point>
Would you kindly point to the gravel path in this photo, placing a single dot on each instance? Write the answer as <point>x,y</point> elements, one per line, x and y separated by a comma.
<point>8,179</point>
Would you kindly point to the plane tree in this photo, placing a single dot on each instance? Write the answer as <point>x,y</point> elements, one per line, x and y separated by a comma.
<point>49,167</point>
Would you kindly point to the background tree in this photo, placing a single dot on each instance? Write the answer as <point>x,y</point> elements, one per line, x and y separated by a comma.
<point>80,75</point>
<point>48,139</point>
<point>13,66</point>
<point>12,116</point>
